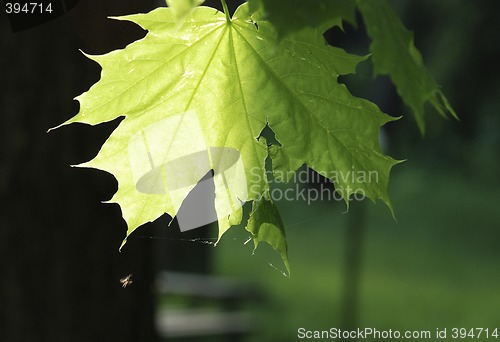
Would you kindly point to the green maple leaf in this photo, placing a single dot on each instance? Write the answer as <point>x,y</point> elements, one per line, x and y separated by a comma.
<point>393,50</point>
<point>395,54</point>
<point>196,96</point>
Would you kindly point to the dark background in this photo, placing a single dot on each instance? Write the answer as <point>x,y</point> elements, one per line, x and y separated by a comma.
<point>59,259</point>
<point>60,264</point>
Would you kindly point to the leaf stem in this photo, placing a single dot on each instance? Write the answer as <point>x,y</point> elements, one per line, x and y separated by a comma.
<point>226,11</point>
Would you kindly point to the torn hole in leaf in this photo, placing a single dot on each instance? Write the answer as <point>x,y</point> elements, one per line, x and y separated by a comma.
<point>270,137</point>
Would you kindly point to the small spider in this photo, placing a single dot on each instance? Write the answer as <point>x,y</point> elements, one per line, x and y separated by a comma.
<point>126,281</point>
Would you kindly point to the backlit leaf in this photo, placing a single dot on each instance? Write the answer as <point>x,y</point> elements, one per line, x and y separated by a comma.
<point>395,54</point>
<point>196,96</point>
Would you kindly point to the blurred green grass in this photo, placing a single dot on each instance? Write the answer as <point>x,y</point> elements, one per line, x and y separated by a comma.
<point>436,267</point>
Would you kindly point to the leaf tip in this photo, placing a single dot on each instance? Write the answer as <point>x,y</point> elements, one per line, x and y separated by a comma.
<point>53,128</point>
<point>82,165</point>
<point>123,244</point>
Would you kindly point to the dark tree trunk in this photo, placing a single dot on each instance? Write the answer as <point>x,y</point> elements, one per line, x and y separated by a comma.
<point>59,259</point>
